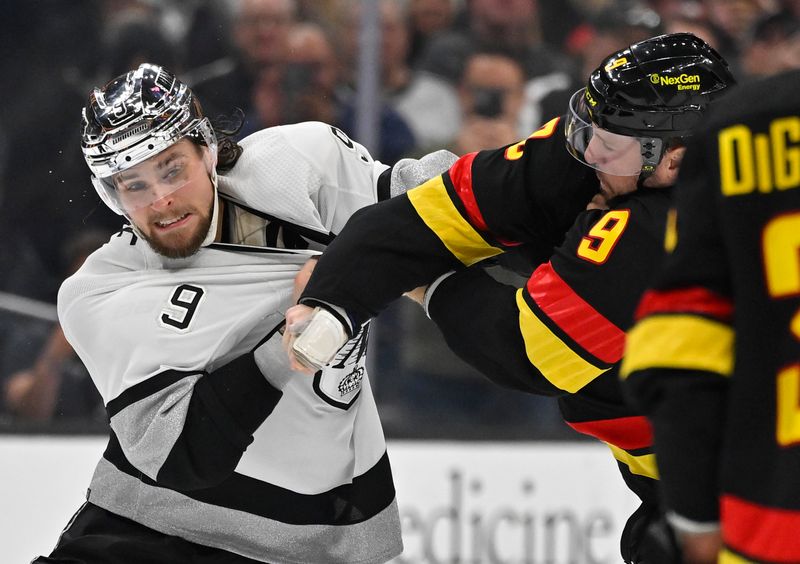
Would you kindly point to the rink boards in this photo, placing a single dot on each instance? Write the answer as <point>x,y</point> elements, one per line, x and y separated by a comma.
<point>466,502</point>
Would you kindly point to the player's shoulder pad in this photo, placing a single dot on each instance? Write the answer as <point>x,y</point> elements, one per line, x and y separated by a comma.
<point>317,142</point>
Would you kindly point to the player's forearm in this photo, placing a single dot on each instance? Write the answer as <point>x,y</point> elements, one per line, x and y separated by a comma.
<point>687,411</point>
<point>384,251</point>
<point>227,407</point>
<point>189,431</point>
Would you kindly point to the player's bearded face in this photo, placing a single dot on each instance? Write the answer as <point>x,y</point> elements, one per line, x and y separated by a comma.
<point>170,199</point>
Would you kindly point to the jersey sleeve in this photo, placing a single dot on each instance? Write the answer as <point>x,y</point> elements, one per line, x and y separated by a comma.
<point>345,175</point>
<point>526,193</point>
<point>348,177</point>
<point>680,352</point>
<point>189,430</point>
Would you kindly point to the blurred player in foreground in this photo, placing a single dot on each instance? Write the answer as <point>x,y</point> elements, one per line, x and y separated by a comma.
<point>714,359</point>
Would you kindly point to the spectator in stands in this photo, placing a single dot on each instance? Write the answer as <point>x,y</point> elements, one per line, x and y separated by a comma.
<point>395,135</point>
<point>426,18</point>
<point>491,94</point>
<point>310,90</point>
<point>732,21</point>
<point>691,20</point>
<point>609,29</point>
<point>774,46</point>
<point>55,385</point>
<point>311,86</point>
<point>395,72</point>
<point>431,104</point>
<point>260,30</point>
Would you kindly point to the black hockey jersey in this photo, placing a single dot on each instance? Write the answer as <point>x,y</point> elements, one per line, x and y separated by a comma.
<point>563,334</point>
<point>526,194</point>
<point>715,358</point>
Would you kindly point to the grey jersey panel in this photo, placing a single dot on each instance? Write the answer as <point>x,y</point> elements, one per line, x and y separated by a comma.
<point>147,447</point>
<point>371,541</point>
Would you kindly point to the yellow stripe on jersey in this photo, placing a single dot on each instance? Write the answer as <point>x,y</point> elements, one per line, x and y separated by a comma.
<point>562,366</point>
<point>728,557</point>
<point>434,206</point>
<point>679,341</point>
<point>644,465</point>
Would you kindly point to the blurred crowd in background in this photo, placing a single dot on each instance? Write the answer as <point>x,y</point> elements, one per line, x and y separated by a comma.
<point>458,74</point>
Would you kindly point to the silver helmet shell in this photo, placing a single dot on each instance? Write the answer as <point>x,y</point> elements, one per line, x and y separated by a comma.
<point>133,118</point>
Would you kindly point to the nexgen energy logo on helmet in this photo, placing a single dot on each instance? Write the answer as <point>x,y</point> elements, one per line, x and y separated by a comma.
<point>682,82</point>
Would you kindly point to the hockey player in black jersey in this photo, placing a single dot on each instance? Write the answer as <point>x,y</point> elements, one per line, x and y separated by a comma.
<point>714,359</point>
<point>216,453</point>
<point>563,334</point>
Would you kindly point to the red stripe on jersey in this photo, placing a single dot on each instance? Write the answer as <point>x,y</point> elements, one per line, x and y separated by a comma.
<point>584,324</point>
<point>461,177</point>
<point>628,433</point>
<point>689,300</point>
<point>764,533</point>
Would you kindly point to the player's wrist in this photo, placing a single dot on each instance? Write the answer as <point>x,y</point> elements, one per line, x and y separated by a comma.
<point>339,313</point>
<point>431,290</point>
<point>684,525</point>
<point>313,337</point>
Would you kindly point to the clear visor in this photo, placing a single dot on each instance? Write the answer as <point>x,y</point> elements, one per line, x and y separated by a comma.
<point>159,176</point>
<point>618,155</point>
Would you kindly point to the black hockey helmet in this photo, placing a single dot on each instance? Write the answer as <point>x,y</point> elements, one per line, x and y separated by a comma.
<point>654,91</point>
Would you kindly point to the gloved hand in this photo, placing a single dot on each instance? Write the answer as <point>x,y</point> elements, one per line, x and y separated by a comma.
<point>312,337</point>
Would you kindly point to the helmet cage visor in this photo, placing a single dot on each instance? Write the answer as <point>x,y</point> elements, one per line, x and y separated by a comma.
<point>131,189</point>
<point>604,150</point>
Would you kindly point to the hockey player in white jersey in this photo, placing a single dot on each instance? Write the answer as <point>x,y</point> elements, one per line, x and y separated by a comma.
<point>217,451</point>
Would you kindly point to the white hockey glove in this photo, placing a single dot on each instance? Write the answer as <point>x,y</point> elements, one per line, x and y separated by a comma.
<point>312,337</point>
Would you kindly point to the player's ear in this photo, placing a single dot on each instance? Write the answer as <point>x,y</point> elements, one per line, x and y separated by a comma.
<point>675,157</point>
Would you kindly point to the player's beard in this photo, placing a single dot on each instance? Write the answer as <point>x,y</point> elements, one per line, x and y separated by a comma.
<point>188,248</point>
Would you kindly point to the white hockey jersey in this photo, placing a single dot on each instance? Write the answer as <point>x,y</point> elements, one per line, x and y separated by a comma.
<point>213,438</point>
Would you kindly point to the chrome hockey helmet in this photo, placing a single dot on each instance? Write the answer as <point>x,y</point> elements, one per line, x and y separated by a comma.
<point>133,118</point>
